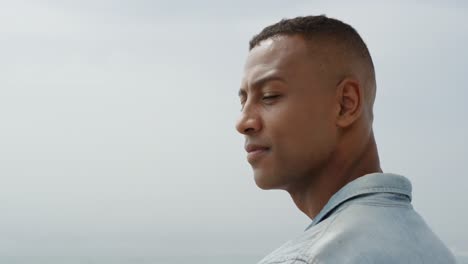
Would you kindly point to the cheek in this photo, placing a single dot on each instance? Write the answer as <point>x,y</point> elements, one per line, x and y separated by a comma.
<point>303,132</point>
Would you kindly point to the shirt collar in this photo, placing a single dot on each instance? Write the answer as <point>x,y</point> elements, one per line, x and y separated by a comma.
<point>370,183</point>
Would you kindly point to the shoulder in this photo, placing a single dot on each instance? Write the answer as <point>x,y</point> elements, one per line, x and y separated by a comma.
<point>368,232</point>
<point>371,232</point>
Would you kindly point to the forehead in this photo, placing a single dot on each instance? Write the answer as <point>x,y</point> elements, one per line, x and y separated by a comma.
<point>281,54</point>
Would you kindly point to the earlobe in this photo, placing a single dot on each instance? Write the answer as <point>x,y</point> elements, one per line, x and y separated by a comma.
<point>349,99</point>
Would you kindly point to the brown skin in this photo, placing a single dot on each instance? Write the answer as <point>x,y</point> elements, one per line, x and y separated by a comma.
<point>309,108</point>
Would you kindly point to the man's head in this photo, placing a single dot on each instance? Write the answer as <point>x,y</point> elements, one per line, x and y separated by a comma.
<point>307,97</point>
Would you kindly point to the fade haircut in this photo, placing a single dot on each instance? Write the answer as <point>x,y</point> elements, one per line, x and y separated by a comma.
<point>328,29</point>
<point>314,27</point>
<point>311,27</point>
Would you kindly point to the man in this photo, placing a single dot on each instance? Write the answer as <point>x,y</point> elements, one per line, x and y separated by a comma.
<point>307,109</point>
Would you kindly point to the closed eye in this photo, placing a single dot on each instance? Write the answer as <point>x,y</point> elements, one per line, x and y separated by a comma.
<point>270,97</point>
<point>242,100</point>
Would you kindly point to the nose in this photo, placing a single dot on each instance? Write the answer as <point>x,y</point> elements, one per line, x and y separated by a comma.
<point>249,122</point>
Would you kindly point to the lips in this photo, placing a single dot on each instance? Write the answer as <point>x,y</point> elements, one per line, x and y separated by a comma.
<point>255,152</point>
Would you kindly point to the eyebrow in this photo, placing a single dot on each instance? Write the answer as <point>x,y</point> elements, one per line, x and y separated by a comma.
<point>261,82</point>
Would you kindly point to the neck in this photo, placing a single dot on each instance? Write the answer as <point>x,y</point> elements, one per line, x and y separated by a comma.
<point>311,194</point>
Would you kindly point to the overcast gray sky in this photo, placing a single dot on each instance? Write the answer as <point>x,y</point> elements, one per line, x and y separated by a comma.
<point>117,123</point>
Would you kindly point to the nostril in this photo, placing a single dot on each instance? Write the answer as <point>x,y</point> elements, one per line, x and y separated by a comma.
<point>249,129</point>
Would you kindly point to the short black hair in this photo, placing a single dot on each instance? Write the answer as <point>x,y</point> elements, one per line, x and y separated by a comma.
<point>324,30</point>
<point>317,27</point>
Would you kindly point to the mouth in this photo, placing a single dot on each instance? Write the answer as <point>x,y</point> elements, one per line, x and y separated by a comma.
<point>255,152</point>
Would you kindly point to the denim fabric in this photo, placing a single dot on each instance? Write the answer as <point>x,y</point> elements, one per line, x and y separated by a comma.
<point>370,220</point>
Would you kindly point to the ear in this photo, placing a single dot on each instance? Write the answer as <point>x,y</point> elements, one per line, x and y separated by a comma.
<point>349,102</point>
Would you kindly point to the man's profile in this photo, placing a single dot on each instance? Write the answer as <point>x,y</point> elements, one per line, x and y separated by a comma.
<point>307,98</point>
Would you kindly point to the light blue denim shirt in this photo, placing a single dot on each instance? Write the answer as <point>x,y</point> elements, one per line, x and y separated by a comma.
<point>370,220</point>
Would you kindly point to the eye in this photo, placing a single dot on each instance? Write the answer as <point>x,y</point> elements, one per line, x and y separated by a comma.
<point>242,102</point>
<point>270,98</point>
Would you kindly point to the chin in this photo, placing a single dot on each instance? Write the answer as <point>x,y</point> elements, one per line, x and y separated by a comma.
<point>265,181</point>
